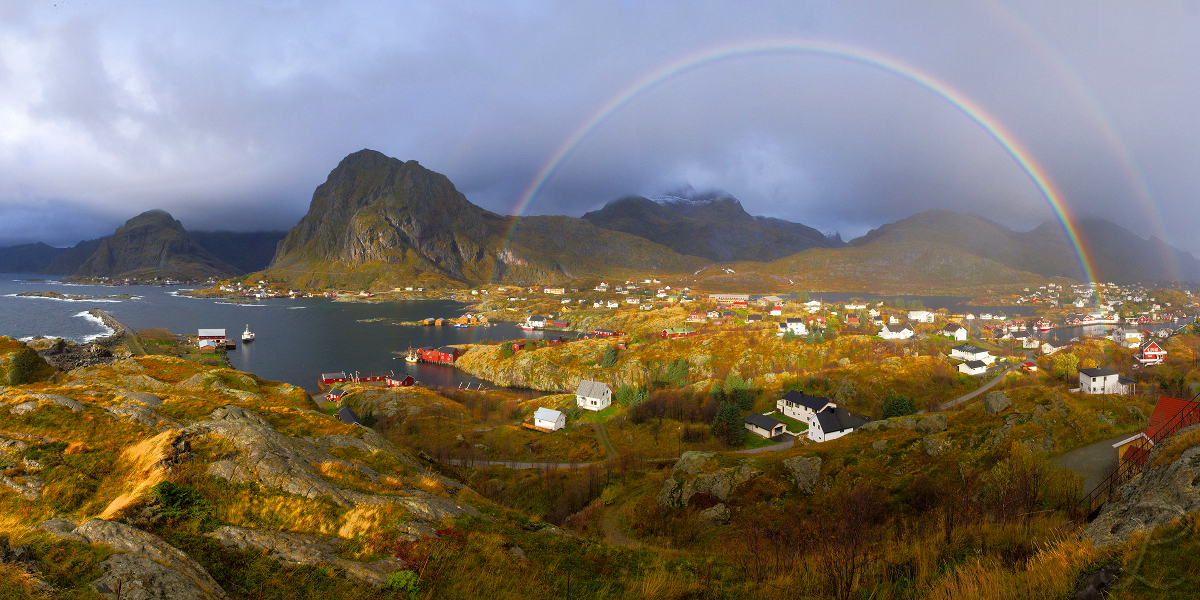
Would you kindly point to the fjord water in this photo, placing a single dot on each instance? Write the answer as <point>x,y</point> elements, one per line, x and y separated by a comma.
<point>297,339</point>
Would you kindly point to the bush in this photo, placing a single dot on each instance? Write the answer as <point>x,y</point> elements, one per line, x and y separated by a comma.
<point>898,406</point>
<point>405,582</point>
<point>180,501</point>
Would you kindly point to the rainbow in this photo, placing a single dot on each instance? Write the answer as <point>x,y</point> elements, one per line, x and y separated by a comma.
<point>828,50</point>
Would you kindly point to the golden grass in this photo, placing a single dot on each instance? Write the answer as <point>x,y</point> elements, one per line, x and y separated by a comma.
<point>1051,574</point>
<point>1176,446</point>
<point>136,467</point>
<point>15,582</point>
<point>368,519</point>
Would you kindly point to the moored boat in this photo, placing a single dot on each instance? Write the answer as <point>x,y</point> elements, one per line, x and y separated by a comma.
<point>247,335</point>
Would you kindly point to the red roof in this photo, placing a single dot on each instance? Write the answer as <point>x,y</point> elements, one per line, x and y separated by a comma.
<point>1164,415</point>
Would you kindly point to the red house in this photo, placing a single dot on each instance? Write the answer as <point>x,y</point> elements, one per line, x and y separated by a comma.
<point>1152,354</point>
<point>406,382</point>
<point>1170,415</point>
<point>339,377</point>
<point>518,346</point>
<point>445,354</point>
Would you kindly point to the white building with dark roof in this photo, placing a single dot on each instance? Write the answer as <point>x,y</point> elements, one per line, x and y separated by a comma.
<point>764,426</point>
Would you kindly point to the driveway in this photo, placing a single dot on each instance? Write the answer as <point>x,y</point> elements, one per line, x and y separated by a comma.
<point>1090,462</point>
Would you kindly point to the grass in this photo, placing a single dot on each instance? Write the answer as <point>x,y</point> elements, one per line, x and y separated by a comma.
<point>793,425</point>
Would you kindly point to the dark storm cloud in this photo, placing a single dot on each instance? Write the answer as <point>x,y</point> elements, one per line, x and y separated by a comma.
<point>229,114</point>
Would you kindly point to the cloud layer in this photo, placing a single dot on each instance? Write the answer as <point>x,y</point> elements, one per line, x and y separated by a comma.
<point>229,114</point>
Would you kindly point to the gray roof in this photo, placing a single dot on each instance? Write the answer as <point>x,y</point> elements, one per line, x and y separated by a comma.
<point>761,421</point>
<point>976,364</point>
<point>591,389</point>
<point>969,349</point>
<point>347,416</point>
<point>1098,372</point>
<point>546,414</point>
<point>953,327</point>
<point>813,403</point>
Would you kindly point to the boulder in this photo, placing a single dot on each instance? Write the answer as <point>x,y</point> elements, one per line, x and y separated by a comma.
<point>72,404</point>
<point>24,407</point>
<point>875,425</point>
<point>716,515</point>
<point>996,402</point>
<point>805,471</point>
<point>908,423</point>
<point>932,424</point>
<point>692,462</point>
<point>933,444</point>
<point>143,398</point>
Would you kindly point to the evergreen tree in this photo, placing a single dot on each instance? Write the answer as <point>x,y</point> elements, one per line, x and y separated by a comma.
<point>610,357</point>
<point>898,406</point>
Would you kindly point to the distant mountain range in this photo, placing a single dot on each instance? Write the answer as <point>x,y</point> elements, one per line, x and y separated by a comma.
<point>379,222</point>
<point>148,245</point>
<point>712,225</point>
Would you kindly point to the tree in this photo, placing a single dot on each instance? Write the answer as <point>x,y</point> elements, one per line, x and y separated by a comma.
<point>610,357</point>
<point>896,405</point>
<point>1065,364</point>
<point>738,392</point>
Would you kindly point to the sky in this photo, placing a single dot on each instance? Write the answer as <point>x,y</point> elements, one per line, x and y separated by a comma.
<point>228,114</point>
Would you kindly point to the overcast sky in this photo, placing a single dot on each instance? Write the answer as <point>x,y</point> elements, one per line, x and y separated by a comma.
<point>229,113</point>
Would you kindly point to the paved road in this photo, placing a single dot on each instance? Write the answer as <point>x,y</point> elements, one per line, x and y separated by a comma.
<point>518,465</point>
<point>764,449</point>
<point>987,386</point>
<point>1090,462</point>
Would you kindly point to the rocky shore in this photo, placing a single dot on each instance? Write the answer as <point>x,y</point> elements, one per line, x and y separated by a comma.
<point>66,355</point>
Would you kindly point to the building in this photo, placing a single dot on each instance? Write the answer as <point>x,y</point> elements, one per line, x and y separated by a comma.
<point>920,316</point>
<point>956,332</point>
<point>764,426</point>
<point>445,354</point>
<point>1169,416</point>
<point>593,395</point>
<point>347,416</point>
<point>795,326</point>
<point>729,298</point>
<point>1049,348</point>
<point>1104,381</point>
<point>895,332</point>
<point>211,337</point>
<point>967,352</point>
<point>801,406</point>
<point>338,377</point>
<point>548,418</point>
<point>754,318</point>
<point>973,367</point>
<point>1152,354</point>
<point>833,422</point>
<point>677,332</point>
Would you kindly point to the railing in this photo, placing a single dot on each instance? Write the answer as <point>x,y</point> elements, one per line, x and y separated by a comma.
<point>1135,461</point>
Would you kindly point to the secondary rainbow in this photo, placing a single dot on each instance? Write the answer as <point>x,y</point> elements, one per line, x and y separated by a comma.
<point>837,51</point>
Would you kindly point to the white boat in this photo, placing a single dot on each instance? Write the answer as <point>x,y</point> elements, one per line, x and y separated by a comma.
<point>247,335</point>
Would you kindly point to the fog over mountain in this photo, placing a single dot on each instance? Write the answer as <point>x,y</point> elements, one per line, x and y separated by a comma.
<point>214,112</point>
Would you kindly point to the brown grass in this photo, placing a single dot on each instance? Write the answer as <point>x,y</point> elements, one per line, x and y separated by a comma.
<point>1176,446</point>
<point>137,465</point>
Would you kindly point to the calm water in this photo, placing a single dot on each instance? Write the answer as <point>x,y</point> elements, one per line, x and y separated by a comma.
<point>297,339</point>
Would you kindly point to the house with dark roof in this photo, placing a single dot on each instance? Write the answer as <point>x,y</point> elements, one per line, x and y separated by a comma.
<point>764,426</point>
<point>801,406</point>
<point>347,416</point>
<point>967,352</point>
<point>1102,380</point>
<point>895,332</point>
<point>956,332</point>
<point>973,367</point>
<point>833,422</point>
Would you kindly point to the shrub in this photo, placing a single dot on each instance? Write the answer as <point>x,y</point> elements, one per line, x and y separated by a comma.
<point>897,405</point>
<point>405,582</point>
<point>180,501</point>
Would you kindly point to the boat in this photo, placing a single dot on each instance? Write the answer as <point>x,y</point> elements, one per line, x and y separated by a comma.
<point>1043,325</point>
<point>247,335</point>
<point>412,356</point>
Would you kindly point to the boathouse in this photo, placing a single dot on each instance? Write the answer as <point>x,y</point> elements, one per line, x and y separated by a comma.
<point>211,337</point>
<point>445,354</point>
<point>338,377</point>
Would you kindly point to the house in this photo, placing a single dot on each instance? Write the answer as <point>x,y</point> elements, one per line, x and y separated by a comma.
<point>967,352</point>
<point>956,332</point>
<point>852,321</point>
<point>812,306</point>
<point>213,337</point>
<point>729,298</point>
<point>1029,366</point>
<point>697,317</point>
<point>338,377</point>
<point>1104,381</point>
<point>895,332</point>
<point>754,319</point>
<point>833,422</point>
<point>335,394</point>
<point>612,304</point>
<point>795,326</point>
<point>406,382</point>
<point>548,418</point>
<point>445,354</point>
<point>1128,337</point>
<point>556,291</point>
<point>892,320</point>
<point>1170,415</point>
<point>347,416</point>
<point>801,406</point>
<point>776,311</point>
<point>1049,348</point>
<point>920,316</point>
<point>593,395</point>
<point>677,332</point>
<point>633,300</point>
<point>1152,354</point>
<point>1027,341</point>
<point>973,367</point>
<point>763,426</point>
<point>770,300</point>
<point>536,321</point>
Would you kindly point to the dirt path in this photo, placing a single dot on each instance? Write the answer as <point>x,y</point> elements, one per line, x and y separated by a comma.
<point>602,435</point>
<point>1090,462</point>
<point>611,526</point>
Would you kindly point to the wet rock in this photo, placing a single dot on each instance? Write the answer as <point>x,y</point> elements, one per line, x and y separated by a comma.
<point>805,471</point>
<point>311,550</point>
<point>932,424</point>
<point>996,402</point>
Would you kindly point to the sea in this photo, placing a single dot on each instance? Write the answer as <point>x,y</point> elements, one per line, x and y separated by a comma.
<point>296,340</point>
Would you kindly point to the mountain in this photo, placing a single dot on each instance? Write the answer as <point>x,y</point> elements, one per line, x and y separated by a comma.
<point>70,259</point>
<point>27,258</point>
<point>152,244</point>
<point>246,251</point>
<point>1117,254</point>
<point>712,226</point>
<point>378,222</point>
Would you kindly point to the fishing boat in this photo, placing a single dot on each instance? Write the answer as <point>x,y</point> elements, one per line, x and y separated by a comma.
<point>412,356</point>
<point>247,335</point>
<point>1043,325</point>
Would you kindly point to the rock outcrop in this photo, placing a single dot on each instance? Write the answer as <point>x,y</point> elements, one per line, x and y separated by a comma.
<point>805,471</point>
<point>697,473</point>
<point>996,402</point>
<point>145,567</point>
<point>311,550</point>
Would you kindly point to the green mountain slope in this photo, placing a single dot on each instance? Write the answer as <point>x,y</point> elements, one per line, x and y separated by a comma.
<point>378,222</point>
<point>27,258</point>
<point>152,244</point>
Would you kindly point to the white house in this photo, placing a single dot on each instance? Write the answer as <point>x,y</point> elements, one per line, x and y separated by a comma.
<point>593,395</point>
<point>633,300</point>
<point>920,316</point>
<point>858,306</point>
<point>776,311</point>
<point>548,418</point>
<point>967,352</point>
<point>973,367</point>
<point>801,406</point>
<point>895,332</point>
<point>1128,337</point>
<point>955,331</point>
<point>612,304</point>
<point>1104,381</point>
<point>763,426</point>
<point>795,326</point>
<point>1049,348</point>
<point>833,422</point>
